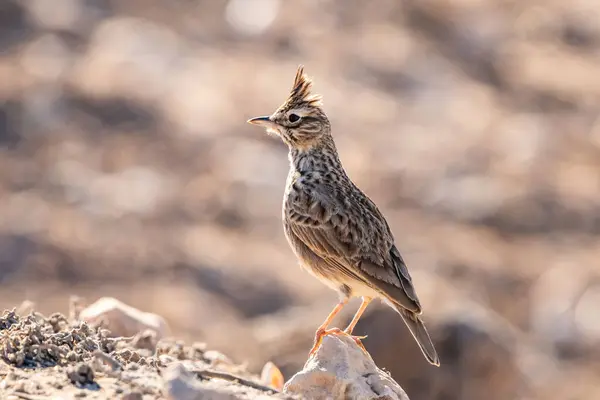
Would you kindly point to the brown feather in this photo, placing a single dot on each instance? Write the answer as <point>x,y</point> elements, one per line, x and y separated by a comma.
<point>301,91</point>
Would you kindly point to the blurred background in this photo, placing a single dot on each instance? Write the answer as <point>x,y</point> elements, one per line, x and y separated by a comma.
<point>127,170</point>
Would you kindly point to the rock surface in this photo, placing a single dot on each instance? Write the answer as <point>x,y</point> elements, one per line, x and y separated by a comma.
<point>123,320</point>
<point>341,370</point>
<point>72,358</point>
<point>182,384</point>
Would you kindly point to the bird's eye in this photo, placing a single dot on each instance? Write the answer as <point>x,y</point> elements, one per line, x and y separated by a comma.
<point>293,117</point>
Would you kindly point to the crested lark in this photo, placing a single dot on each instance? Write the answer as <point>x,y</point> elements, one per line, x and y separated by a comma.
<point>336,231</point>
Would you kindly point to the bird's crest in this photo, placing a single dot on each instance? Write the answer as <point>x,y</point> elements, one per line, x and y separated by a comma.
<point>301,92</point>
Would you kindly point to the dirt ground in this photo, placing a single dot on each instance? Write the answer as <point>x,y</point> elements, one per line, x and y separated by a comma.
<point>57,358</point>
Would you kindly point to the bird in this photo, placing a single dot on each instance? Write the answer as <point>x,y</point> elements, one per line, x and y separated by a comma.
<point>335,230</point>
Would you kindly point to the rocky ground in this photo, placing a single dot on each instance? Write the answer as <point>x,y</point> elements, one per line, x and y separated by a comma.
<point>64,358</point>
<point>57,358</point>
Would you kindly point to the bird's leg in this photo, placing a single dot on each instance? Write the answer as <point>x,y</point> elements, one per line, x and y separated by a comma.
<point>359,313</point>
<point>322,330</point>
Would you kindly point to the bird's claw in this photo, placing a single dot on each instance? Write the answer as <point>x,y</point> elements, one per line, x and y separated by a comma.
<point>321,333</point>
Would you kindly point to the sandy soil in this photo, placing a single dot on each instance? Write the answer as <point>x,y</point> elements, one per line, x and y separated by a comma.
<point>54,357</point>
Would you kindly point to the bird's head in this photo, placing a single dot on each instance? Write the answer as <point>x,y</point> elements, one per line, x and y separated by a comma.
<point>300,122</point>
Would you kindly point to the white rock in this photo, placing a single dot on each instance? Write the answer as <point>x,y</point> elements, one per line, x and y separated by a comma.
<point>180,384</point>
<point>123,320</point>
<point>341,370</point>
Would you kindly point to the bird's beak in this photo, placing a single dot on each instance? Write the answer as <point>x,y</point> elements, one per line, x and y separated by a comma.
<point>262,121</point>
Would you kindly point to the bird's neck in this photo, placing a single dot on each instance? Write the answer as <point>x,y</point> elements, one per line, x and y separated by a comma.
<point>318,156</point>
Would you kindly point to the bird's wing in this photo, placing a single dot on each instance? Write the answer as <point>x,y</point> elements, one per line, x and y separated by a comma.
<point>355,238</point>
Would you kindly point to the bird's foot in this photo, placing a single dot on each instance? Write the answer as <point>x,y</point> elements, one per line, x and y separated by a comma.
<point>357,340</point>
<point>321,333</point>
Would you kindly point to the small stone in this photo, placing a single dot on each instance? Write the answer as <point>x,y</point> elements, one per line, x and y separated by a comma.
<point>134,357</point>
<point>133,367</point>
<point>165,360</point>
<point>123,320</point>
<point>125,354</point>
<point>145,340</point>
<point>216,357</point>
<point>81,374</point>
<point>132,396</point>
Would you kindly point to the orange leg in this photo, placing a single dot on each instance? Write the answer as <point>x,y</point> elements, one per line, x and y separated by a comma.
<point>322,330</point>
<point>359,313</point>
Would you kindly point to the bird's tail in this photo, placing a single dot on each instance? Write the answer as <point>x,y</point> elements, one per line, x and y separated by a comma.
<point>419,332</point>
